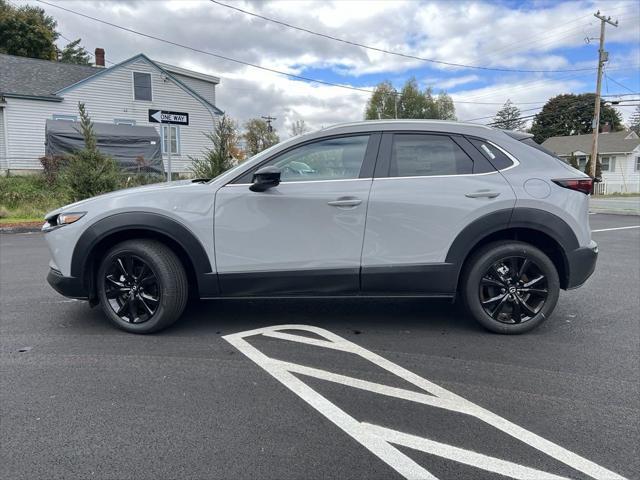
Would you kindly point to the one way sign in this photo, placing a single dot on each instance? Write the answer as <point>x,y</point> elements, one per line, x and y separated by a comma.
<point>174,118</point>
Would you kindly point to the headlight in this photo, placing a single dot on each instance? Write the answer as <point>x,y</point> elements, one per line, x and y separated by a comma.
<point>67,218</point>
<point>62,219</point>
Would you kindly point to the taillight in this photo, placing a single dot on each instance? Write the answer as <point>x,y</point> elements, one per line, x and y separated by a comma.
<point>584,185</point>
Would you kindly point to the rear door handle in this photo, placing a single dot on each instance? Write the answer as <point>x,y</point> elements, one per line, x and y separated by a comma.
<point>345,202</point>
<point>482,194</point>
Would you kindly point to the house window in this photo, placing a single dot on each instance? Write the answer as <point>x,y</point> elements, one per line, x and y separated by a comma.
<point>124,121</point>
<point>608,164</point>
<point>142,86</point>
<point>68,118</point>
<point>637,164</point>
<point>175,139</point>
<point>582,163</point>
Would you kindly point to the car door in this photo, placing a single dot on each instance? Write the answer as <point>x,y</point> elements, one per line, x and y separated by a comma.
<point>304,235</point>
<point>427,189</point>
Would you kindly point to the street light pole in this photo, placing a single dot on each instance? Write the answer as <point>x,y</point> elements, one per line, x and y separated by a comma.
<point>602,58</point>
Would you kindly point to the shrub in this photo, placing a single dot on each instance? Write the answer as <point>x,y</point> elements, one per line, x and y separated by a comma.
<point>219,157</point>
<point>88,172</point>
<point>51,168</point>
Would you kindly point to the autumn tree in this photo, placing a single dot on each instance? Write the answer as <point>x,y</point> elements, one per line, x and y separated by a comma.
<point>508,117</point>
<point>258,136</point>
<point>298,128</point>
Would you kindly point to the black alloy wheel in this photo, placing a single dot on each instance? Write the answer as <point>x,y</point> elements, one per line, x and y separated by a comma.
<point>513,290</point>
<point>132,288</point>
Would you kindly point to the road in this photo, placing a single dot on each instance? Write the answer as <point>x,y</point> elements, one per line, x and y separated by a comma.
<point>79,399</point>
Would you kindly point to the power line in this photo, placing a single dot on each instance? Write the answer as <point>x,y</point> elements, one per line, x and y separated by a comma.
<point>224,57</point>
<point>616,82</point>
<point>391,52</point>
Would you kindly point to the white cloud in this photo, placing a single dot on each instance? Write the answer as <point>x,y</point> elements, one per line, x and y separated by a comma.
<point>473,32</point>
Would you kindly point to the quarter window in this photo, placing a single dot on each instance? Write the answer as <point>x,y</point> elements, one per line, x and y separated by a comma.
<point>142,86</point>
<point>496,156</point>
<point>417,155</point>
<point>332,159</point>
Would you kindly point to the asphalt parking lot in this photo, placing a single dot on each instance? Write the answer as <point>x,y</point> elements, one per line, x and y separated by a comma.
<point>79,399</point>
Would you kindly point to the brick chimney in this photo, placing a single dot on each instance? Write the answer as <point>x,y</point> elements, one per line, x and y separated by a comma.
<point>99,57</point>
<point>606,128</point>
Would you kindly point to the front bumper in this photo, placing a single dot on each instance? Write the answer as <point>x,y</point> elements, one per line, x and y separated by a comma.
<point>68,286</point>
<point>581,263</point>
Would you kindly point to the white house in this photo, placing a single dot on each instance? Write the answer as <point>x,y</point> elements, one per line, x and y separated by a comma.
<point>32,91</point>
<point>619,154</point>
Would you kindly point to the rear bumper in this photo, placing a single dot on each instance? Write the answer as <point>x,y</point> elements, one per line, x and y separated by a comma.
<point>68,286</point>
<point>581,263</point>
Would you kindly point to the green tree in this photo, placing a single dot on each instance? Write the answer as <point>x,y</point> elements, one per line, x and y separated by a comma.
<point>27,31</point>
<point>381,105</point>
<point>508,117</point>
<point>298,128</point>
<point>220,156</point>
<point>88,172</point>
<point>571,114</point>
<point>258,136</point>
<point>634,121</point>
<point>386,102</point>
<point>74,53</point>
<point>587,167</point>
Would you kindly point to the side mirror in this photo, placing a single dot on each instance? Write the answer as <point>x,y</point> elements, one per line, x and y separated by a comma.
<point>265,178</point>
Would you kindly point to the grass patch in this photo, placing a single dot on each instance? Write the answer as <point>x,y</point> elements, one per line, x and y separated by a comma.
<point>28,197</point>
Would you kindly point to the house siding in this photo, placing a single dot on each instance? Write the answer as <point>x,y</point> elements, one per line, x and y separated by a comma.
<point>3,144</point>
<point>624,178</point>
<point>108,97</point>
<point>206,90</point>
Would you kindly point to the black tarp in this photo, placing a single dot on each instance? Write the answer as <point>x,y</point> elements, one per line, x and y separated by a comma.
<point>135,149</point>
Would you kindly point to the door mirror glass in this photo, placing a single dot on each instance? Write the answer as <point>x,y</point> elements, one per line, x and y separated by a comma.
<point>265,178</point>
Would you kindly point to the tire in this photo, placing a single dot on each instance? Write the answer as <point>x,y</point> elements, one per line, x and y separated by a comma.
<point>506,280</point>
<point>149,276</point>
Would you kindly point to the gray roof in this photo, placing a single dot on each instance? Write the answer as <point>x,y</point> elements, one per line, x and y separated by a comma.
<point>614,142</point>
<point>31,77</point>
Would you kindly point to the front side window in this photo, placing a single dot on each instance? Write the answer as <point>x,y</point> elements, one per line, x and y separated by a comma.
<point>418,155</point>
<point>173,142</point>
<point>331,159</point>
<point>607,164</point>
<point>142,86</point>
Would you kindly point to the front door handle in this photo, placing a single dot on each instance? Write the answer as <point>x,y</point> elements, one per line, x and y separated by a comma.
<point>482,194</point>
<point>345,202</point>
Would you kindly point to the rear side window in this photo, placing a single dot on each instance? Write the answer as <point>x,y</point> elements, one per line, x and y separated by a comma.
<point>418,155</point>
<point>495,155</point>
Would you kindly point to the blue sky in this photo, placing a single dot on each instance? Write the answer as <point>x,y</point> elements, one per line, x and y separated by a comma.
<point>538,35</point>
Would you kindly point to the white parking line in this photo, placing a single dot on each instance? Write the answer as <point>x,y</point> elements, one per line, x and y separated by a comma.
<point>380,440</point>
<point>615,228</point>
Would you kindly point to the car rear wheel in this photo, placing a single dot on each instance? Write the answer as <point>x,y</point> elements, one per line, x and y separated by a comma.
<point>142,286</point>
<point>510,287</point>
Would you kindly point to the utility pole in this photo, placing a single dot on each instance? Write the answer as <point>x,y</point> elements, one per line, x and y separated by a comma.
<point>602,58</point>
<point>269,119</point>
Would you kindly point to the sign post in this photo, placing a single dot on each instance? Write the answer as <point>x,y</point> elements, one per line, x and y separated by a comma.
<point>168,118</point>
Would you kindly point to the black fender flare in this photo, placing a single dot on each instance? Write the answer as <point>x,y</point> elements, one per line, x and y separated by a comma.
<point>151,222</point>
<point>519,217</point>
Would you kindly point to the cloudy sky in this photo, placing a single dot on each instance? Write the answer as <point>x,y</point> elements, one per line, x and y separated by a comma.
<point>508,34</point>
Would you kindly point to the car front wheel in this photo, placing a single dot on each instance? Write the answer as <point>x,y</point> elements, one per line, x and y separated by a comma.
<point>510,287</point>
<point>142,286</point>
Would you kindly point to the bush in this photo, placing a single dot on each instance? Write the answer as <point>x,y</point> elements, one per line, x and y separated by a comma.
<point>88,172</point>
<point>219,157</point>
<point>30,196</point>
<point>51,167</point>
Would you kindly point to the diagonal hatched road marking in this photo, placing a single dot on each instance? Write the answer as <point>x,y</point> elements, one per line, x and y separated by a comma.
<point>380,440</point>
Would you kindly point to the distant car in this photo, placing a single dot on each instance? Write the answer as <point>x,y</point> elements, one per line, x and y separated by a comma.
<point>369,209</point>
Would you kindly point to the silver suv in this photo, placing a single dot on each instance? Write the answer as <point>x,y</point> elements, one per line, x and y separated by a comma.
<point>369,209</point>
